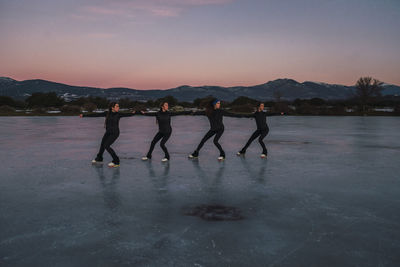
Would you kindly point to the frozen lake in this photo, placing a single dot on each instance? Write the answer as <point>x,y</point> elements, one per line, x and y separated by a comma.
<point>328,194</point>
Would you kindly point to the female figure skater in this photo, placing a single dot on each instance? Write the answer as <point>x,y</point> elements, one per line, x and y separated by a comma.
<point>214,115</point>
<point>112,132</point>
<point>262,131</point>
<point>163,119</point>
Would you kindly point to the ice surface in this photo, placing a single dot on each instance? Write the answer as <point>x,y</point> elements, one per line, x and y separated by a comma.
<point>328,194</point>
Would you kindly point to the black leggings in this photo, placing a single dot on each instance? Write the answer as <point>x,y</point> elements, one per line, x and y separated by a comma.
<point>157,137</point>
<point>262,134</point>
<point>209,134</point>
<point>106,142</point>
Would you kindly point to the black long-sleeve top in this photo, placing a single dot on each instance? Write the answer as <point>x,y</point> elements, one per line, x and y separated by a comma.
<point>216,118</point>
<point>112,121</point>
<point>261,120</point>
<point>260,117</point>
<point>164,119</point>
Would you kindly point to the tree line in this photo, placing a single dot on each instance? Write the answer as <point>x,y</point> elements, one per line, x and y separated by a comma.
<point>366,98</point>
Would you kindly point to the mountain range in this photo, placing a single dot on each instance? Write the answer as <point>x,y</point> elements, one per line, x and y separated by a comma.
<point>288,89</point>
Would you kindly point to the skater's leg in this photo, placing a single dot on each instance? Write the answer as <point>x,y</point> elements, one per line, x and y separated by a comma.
<point>260,139</point>
<point>251,139</point>
<point>208,135</point>
<point>217,144</point>
<point>107,144</point>
<point>156,138</point>
<point>162,144</point>
<point>99,156</point>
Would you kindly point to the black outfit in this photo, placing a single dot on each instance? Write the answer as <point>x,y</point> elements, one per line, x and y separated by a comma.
<point>111,134</point>
<point>261,132</point>
<point>164,130</point>
<point>216,128</point>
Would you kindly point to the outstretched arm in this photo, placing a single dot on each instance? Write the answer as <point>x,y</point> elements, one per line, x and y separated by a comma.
<point>273,114</point>
<point>153,114</point>
<point>102,114</point>
<point>198,113</point>
<point>125,114</point>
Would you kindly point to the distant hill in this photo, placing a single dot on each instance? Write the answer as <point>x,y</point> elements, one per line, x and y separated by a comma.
<point>289,90</point>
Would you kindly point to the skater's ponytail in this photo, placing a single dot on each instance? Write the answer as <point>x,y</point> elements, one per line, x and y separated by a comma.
<point>110,106</point>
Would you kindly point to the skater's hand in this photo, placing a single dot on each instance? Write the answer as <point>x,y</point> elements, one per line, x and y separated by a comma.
<point>134,111</point>
<point>142,112</point>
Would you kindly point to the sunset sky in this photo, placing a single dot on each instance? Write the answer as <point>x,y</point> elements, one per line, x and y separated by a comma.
<point>160,44</point>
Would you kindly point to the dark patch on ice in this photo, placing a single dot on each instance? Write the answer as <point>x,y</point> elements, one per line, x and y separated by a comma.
<point>162,243</point>
<point>214,212</point>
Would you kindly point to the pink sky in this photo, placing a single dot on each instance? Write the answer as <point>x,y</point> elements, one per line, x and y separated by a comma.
<point>158,44</point>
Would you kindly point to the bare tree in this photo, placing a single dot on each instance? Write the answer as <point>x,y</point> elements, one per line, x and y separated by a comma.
<point>366,88</point>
